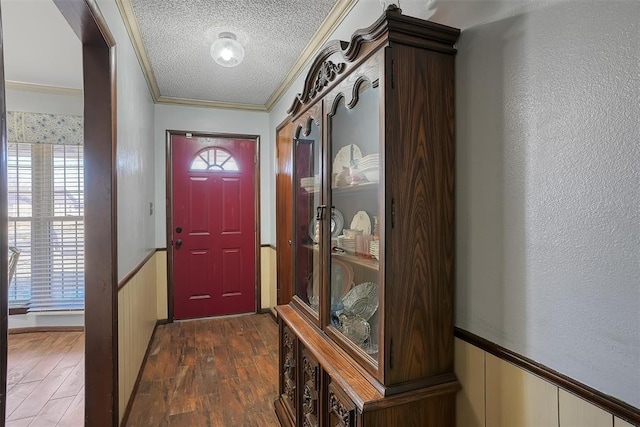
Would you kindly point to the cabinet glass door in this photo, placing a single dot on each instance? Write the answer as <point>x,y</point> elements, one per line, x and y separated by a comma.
<point>306,183</point>
<point>354,175</point>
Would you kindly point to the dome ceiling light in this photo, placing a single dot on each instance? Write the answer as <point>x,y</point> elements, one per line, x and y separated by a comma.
<point>227,51</point>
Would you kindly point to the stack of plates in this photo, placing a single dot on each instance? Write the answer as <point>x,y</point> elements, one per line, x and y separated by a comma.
<point>369,166</point>
<point>374,248</point>
<point>349,245</point>
<point>370,161</point>
<point>310,183</point>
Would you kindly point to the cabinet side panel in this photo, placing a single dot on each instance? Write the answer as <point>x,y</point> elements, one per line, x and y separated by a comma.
<point>419,168</point>
<point>437,411</point>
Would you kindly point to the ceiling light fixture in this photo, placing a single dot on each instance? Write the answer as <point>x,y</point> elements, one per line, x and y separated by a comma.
<point>226,51</point>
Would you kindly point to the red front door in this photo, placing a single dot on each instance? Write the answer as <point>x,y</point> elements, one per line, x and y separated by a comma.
<point>214,237</point>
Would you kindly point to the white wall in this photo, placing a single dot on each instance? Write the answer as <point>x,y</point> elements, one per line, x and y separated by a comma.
<point>214,120</point>
<point>135,151</point>
<point>34,102</point>
<point>548,194</point>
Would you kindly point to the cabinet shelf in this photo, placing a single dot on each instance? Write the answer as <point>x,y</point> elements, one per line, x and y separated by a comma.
<point>351,189</point>
<point>372,264</point>
<point>365,186</point>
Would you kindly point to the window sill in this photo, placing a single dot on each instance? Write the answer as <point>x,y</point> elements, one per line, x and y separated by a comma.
<point>46,319</point>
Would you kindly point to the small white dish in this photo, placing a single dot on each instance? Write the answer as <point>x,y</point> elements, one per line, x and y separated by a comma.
<point>361,221</point>
<point>345,156</point>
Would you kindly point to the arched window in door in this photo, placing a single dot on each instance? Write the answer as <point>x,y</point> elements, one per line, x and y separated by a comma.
<point>214,159</point>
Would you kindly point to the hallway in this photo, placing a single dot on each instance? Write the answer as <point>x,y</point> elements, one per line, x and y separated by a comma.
<point>213,372</point>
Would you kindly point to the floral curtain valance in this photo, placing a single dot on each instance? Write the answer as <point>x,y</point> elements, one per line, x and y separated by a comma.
<point>41,128</point>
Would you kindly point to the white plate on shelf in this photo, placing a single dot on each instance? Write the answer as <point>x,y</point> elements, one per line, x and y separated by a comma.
<point>361,221</point>
<point>345,156</point>
<point>337,223</point>
<point>341,279</point>
<point>362,300</point>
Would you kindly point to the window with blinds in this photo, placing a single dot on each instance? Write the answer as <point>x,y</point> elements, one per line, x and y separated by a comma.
<point>46,223</point>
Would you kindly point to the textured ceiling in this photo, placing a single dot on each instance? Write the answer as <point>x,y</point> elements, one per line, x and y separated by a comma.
<point>177,35</point>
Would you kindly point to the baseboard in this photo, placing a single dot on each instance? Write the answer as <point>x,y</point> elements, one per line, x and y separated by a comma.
<point>270,311</point>
<point>127,411</point>
<point>608,403</point>
<point>34,329</point>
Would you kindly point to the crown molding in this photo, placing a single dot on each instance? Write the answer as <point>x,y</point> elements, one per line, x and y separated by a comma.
<point>331,22</point>
<point>170,100</point>
<point>133,29</point>
<point>38,88</point>
<point>333,19</point>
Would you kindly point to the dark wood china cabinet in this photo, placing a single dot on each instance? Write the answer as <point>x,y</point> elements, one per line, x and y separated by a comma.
<point>367,339</point>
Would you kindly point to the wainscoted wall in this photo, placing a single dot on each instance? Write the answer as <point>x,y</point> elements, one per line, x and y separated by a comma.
<point>496,393</point>
<point>268,277</point>
<point>161,282</point>
<point>136,321</point>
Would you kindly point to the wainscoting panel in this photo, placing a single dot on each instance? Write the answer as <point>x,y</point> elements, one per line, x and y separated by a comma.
<point>576,412</point>
<point>469,367</point>
<point>517,398</point>
<point>161,277</point>
<point>617,422</point>
<point>268,277</point>
<point>497,393</point>
<point>137,315</point>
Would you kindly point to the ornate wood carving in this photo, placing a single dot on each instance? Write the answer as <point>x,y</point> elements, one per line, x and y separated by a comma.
<point>339,409</point>
<point>406,28</point>
<point>310,391</point>
<point>327,73</point>
<point>289,365</point>
<point>311,369</point>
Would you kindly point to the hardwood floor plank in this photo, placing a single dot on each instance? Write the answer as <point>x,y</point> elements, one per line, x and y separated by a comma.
<point>21,369</point>
<point>211,372</point>
<point>72,384</point>
<point>74,415</point>
<point>52,412</point>
<point>46,379</point>
<point>24,422</point>
<point>17,394</point>
<point>41,394</point>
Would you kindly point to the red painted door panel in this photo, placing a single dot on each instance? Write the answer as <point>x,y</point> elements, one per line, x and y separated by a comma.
<point>214,239</point>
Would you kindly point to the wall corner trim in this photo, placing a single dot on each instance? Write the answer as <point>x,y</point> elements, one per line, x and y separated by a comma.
<point>126,279</point>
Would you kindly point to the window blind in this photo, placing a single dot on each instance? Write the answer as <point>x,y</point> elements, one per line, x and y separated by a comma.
<point>46,222</point>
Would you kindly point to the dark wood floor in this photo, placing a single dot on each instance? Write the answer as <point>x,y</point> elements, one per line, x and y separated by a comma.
<point>45,380</point>
<point>213,372</point>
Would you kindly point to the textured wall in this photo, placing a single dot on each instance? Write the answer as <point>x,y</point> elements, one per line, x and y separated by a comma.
<point>548,194</point>
<point>548,226</point>
<point>135,151</point>
<point>214,120</point>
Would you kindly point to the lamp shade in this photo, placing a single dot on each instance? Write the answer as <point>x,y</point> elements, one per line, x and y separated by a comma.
<point>226,51</point>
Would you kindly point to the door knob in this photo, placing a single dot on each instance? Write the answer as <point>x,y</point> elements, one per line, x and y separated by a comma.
<point>178,243</point>
<point>289,242</point>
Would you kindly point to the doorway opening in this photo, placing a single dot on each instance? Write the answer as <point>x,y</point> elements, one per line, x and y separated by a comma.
<point>98,48</point>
